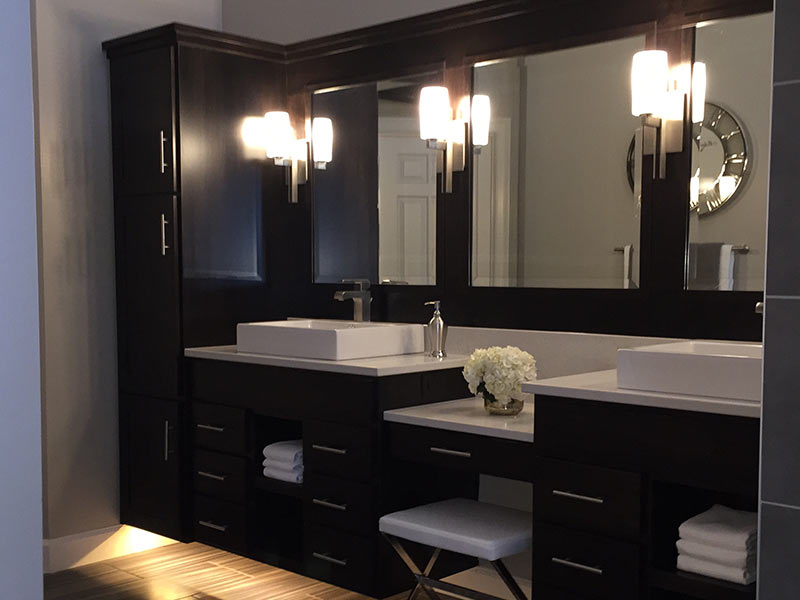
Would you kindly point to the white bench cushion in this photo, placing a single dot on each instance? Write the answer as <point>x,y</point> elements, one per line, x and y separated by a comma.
<point>465,526</point>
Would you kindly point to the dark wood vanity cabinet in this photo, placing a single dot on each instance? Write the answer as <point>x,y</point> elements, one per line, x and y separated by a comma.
<point>189,208</point>
<point>327,527</point>
<point>613,483</point>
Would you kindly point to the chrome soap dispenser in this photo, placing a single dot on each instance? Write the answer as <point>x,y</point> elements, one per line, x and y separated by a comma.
<point>437,331</point>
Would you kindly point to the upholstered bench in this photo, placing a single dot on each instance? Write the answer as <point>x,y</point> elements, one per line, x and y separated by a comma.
<point>477,529</point>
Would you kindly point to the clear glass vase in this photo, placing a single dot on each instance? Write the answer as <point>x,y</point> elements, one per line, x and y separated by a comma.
<point>494,407</point>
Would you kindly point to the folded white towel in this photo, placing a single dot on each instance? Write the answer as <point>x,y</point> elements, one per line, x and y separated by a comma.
<point>723,556</point>
<point>743,576</point>
<point>723,527</point>
<point>288,452</point>
<point>284,475</point>
<point>281,466</point>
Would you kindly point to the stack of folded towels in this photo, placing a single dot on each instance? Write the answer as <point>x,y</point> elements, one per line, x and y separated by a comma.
<point>720,543</point>
<point>284,461</point>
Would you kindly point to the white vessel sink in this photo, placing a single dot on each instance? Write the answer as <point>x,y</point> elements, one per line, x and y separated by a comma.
<point>717,369</point>
<point>328,339</point>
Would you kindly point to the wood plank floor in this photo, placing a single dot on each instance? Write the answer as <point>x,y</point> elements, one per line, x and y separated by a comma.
<point>181,571</point>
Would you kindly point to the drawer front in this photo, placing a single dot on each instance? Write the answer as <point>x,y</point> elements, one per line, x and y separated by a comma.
<point>338,450</point>
<point>339,558</point>
<point>474,453</point>
<point>220,524</point>
<point>220,428</point>
<point>585,564</point>
<point>220,475</point>
<point>589,498</point>
<point>340,504</point>
<point>336,397</point>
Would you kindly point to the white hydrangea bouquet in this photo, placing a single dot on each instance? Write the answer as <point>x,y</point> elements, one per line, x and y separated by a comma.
<point>497,374</point>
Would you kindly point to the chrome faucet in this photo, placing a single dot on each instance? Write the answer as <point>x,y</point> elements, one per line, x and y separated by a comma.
<point>361,297</point>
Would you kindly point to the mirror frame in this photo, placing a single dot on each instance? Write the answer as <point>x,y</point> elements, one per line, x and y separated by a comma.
<point>459,37</point>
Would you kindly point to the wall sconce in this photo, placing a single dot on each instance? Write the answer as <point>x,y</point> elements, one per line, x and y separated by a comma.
<point>480,117</point>
<point>274,135</point>
<point>321,141</point>
<point>443,133</point>
<point>698,92</point>
<point>658,96</point>
<point>649,80</point>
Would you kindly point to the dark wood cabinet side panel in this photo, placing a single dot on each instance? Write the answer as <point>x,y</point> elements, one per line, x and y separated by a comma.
<point>226,191</point>
<point>708,451</point>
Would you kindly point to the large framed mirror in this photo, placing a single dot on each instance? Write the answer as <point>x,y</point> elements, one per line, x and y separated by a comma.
<point>728,193</point>
<point>374,205</point>
<point>551,205</point>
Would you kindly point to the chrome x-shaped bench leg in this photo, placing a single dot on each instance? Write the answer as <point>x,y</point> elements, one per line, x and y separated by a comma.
<point>428,585</point>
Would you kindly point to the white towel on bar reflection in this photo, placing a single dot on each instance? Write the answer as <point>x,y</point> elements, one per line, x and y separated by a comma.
<point>742,575</point>
<point>711,266</point>
<point>726,262</point>
<point>722,526</point>
<point>722,556</point>
<point>288,452</point>
<point>292,476</point>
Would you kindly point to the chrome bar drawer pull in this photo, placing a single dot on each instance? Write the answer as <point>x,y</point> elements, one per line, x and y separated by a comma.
<point>581,497</point>
<point>162,140</point>
<point>166,440</point>
<point>329,504</point>
<point>213,476</point>
<point>330,559</point>
<point>213,428</point>
<point>329,449</point>
<point>448,452</point>
<point>214,526</point>
<point>164,246</point>
<point>576,565</point>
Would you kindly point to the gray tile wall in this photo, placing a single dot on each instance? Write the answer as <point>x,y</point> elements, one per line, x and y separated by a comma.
<point>779,552</point>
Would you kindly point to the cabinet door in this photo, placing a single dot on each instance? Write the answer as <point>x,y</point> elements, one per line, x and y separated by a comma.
<point>148,296</point>
<point>151,438</point>
<point>142,100</point>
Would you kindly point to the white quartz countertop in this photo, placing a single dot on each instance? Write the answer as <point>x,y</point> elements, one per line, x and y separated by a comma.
<point>467,416</point>
<point>373,367</point>
<point>602,387</point>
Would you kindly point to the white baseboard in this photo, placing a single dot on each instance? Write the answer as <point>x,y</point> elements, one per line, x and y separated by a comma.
<point>100,544</point>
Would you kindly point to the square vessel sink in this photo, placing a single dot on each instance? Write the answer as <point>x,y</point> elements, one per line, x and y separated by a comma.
<point>328,339</point>
<point>718,369</point>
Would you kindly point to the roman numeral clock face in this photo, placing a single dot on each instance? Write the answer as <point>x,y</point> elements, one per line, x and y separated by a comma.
<point>720,160</point>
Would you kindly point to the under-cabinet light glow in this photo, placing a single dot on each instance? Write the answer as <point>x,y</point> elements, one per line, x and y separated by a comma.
<point>279,134</point>
<point>481,117</point>
<point>322,139</point>
<point>698,92</point>
<point>434,113</point>
<point>649,81</point>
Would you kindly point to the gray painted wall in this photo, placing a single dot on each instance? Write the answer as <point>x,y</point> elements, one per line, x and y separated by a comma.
<point>78,301</point>
<point>288,21</point>
<point>779,552</point>
<point>20,427</point>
